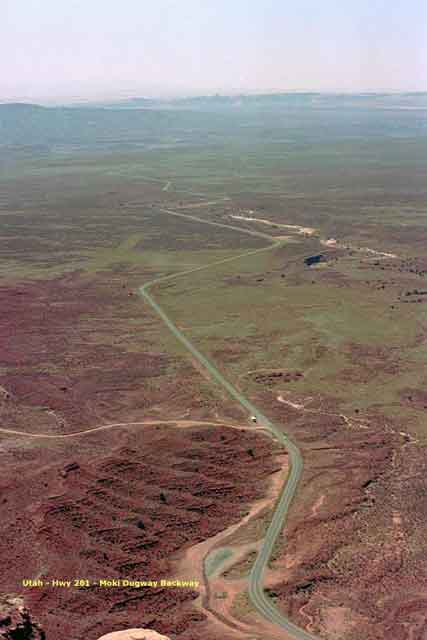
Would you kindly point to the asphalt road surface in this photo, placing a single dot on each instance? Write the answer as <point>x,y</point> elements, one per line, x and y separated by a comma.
<point>257,594</point>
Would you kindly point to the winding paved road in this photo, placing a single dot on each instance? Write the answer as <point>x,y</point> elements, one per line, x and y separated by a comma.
<point>256,590</point>
<point>257,594</point>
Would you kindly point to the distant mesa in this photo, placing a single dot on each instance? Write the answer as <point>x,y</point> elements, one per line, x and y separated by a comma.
<point>134,634</point>
<point>19,106</point>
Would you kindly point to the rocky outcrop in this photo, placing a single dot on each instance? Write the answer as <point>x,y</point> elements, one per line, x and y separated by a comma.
<point>134,634</point>
<point>16,622</point>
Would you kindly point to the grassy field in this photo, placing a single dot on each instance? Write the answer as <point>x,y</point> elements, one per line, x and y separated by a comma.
<point>75,199</point>
<point>351,341</point>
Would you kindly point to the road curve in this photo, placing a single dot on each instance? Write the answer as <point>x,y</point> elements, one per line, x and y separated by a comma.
<point>256,591</point>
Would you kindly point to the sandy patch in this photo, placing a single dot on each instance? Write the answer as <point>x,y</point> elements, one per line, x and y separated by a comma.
<point>217,593</point>
<point>294,405</point>
<point>309,231</point>
<point>318,504</point>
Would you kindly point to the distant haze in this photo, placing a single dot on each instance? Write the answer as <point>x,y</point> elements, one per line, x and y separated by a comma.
<point>97,49</point>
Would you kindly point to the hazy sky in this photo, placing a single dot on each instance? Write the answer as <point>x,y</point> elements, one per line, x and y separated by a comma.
<point>100,48</point>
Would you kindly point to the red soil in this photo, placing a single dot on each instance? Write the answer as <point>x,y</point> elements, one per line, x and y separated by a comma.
<point>59,355</point>
<point>122,504</point>
<point>78,352</point>
<point>353,566</point>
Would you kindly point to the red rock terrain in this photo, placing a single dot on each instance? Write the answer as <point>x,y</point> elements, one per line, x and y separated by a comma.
<point>125,503</point>
<point>79,351</point>
<point>354,565</point>
<point>122,504</point>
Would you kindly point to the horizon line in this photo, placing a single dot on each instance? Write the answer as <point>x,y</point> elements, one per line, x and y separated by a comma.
<point>212,93</point>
